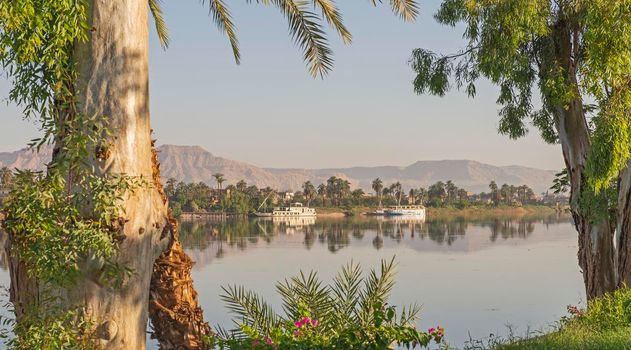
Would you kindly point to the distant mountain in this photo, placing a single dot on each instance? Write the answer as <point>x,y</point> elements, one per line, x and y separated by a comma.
<point>194,164</point>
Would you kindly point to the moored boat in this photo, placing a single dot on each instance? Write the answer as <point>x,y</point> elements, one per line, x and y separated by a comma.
<point>378,212</point>
<point>293,210</point>
<point>417,211</point>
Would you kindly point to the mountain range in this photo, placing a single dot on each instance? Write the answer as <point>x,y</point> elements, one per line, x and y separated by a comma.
<point>195,164</point>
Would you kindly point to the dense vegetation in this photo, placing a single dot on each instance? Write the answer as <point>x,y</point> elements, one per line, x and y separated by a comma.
<point>337,193</point>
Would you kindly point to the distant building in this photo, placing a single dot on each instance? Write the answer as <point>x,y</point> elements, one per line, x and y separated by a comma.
<point>286,195</point>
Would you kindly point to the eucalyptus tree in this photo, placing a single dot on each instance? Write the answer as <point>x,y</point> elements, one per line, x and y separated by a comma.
<point>576,56</point>
<point>377,186</point>
<point>80,68</point>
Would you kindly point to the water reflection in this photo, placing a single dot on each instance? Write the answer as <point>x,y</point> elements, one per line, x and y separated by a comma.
<point>210,239</point>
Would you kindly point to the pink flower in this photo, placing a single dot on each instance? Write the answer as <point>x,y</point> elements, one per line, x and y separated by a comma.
<point>431,330</point>
<point>298,324</point>
<point>314,323</point>
<point>297,333</point>
<point>268,341</point>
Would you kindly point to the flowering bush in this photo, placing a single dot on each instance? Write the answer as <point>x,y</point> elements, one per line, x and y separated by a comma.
<point>351,313</point>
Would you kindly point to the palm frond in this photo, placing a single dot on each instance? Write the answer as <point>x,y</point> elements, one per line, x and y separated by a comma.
<point>346,291</point>
<point>410,314</point>
<point>223,19</point>
<point>406,9</point>
<point>161,26</point>
<point>334,17</point>
<point>249,308</point>
<point>305,293</point>
<point>308,34</point>
<point>377,289</point>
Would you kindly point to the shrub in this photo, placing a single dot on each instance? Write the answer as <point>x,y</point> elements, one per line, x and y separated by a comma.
<point>351,313</point>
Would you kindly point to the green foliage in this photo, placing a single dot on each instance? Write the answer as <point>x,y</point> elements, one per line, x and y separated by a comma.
<point>36,42</point>
<point>611,141</point>
<point>561,182</point>
<point>605,324</point>
<point>49,232</point>
<point>50,329</point>
<point>237,202</point>
<point>573,51</point>
<point>351,313</point>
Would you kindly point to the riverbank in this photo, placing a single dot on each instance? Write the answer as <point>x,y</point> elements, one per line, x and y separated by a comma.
<point>480,212</point>
<point>606,324</point>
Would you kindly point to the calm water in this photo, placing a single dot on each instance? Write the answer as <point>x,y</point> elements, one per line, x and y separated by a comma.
<point>473,277</point>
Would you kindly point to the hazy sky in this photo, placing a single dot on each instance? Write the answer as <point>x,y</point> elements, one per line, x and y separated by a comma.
<point>268,111</point>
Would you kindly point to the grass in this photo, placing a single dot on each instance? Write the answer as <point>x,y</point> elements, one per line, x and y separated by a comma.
<point>606,324</point>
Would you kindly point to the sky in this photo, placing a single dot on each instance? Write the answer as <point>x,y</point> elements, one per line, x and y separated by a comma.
<point>270,112</point>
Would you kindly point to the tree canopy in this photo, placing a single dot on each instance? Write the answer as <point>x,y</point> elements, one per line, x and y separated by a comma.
<point>518,46</point>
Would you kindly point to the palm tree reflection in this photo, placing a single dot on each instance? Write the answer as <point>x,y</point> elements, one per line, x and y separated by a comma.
<point>220,238</point>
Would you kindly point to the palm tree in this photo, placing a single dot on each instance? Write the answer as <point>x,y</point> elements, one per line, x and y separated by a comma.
<point>451,190</point>
<point>377,186</point>
<point>422,195</point>
<point>396,189</point>
<point>322,193</point>
<point>495,195</point>
<point>119,62</point>
<point>412,196</point>
<point>308,191</point>
<point>241,186</point>
<point>220,179</point>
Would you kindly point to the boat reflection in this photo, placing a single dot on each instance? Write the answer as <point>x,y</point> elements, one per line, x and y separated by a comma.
<point>211,239</point>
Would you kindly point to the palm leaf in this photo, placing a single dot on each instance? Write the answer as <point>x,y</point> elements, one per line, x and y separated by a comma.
<point>223,19</point>
<point>249,308</point>
<point>346,291</point>
<point>305,293</point>
<point>161,26</point>
<point>334,17</point>
<point>410,314</point>
<point>308,34</point>
<point>406,9</point>
<point>377,289</point>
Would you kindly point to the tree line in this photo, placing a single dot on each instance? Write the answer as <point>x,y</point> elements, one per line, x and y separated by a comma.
<point>336,192</point>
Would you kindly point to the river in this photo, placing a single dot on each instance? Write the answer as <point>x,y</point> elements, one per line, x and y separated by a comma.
<point>473,277</point>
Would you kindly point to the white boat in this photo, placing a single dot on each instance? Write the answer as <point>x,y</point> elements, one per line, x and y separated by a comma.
<point>417,211</point>
<point>293,210</point>
<point>378,212</point>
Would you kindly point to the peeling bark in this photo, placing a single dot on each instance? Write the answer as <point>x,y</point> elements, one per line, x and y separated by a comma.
<point>177,320</point>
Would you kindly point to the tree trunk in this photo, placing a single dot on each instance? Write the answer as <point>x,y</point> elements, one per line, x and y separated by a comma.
<point>623,227</point>
<point>596,254</point>
<point>113,83</point>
